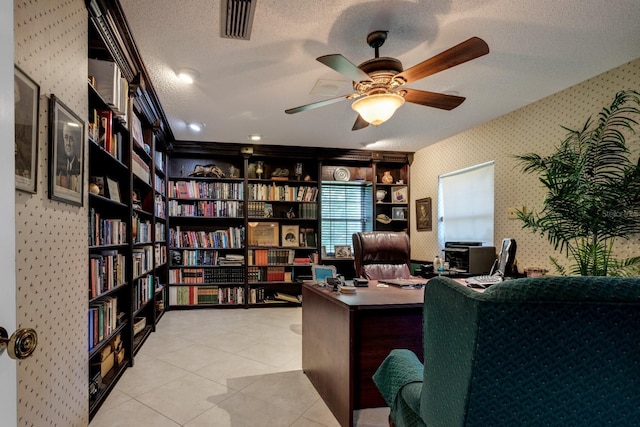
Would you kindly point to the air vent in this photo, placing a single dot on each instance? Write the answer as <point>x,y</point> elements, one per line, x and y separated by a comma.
<point>237,18</point>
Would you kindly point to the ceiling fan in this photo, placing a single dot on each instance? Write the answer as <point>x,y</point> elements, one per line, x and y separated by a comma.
<point>379,83</point>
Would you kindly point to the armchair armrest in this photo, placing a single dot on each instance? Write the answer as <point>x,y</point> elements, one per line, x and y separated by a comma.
<point>401,367</point>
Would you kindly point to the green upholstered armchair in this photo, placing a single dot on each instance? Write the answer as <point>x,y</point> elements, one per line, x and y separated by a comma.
<point>550,351</point>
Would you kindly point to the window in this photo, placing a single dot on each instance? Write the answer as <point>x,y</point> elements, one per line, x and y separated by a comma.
<point>346,209</point>
<point>465,205</point>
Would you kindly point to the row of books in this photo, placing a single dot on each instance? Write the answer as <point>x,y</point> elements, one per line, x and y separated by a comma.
<point>195,276</point>
<point>106,271</point>
<point>206,190</point>
<point>107,80</point>
<point>269,274</point>
<point>145,288</point>
<point>101,131</point>
<point>160,254</point>
<point>194,258</point>
<point>140,168</point>
<point>195,295</point>
<point>159,207</point>
<point>217,208</point>
<point>142,260</point>
<point>161,231</point>
<point>160,185</point>
<point>106,231</point>
<point>141,230</point>
<point>270,256</point>
<point>103,319</point>
<point>260,210</point>
<point>286,193</point>
<point>228,238</point>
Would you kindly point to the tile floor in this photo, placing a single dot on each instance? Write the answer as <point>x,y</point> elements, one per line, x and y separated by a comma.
<point>223,368</point>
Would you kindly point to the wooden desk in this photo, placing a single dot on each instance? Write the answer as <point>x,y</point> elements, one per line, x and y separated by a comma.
<point>346,337</point>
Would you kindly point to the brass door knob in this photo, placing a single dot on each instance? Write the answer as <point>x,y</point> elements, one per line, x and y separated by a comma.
<point>20,345</point>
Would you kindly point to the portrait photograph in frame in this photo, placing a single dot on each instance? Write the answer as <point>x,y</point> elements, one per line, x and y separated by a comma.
<point>290,235</point>
<point>399,213</point>
<point>423,214</point>
<point>66,154</point>
<point>27,99</point>
<point>399,194</point>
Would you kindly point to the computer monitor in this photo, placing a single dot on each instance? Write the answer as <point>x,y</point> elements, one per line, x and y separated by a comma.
<point>506,257</point>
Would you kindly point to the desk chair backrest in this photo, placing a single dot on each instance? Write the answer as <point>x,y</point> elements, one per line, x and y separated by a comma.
<point>382,255</point>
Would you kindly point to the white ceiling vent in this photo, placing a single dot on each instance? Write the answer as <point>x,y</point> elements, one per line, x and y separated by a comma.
<point>237,18</point>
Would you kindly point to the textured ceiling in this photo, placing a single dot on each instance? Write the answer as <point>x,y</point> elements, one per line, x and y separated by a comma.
<point>537,48</point>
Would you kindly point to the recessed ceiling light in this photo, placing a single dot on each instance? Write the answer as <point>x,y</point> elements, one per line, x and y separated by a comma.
<point>187,75</point>
<point>255,137</point>
<point>196,127</point>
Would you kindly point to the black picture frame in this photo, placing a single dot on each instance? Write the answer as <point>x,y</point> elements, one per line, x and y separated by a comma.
<point>423,214</point>
<point>27,105</point>
<point>66,154</point>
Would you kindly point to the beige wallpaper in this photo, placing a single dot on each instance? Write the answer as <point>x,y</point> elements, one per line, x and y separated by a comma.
<point>534,128</point>
<point>51,237</point>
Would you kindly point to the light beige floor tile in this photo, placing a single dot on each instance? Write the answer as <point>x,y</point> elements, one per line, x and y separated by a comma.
<point>320,413</point>
<point>235,372</point>
<point>193,357</point>
<point>273,352</point>
<point>131,413</point>
<point>115,398</point>
<point>185,398</point>
<point>372,417</point>
<point>243,410</point>
<point>147,375</point>
<point>230,342</point>
<point>289,390</point>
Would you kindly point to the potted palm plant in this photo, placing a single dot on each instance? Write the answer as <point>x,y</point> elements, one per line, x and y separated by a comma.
<point>593,192</point>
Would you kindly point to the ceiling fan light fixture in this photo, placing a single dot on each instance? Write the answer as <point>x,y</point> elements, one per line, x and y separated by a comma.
<point>378,108</point>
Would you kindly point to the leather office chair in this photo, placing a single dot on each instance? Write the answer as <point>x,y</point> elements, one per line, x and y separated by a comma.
<point>382,255</point>
<point>551,351</point>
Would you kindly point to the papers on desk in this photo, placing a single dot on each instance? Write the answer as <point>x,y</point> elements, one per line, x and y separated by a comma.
<point>412,283</point>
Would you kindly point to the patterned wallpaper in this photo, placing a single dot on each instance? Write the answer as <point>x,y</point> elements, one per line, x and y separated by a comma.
<point>533,128</point>
<point>51,238</point>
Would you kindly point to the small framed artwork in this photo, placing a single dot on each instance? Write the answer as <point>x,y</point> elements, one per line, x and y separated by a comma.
<point>113,190</point>
<point>290,235</point>
<point>399,213</point>
<point>399,194</point>
<point>263,234</point>
<point>342,251</point>
<point>27,98</point>
<point>66,154</point>
<point>423,214</point>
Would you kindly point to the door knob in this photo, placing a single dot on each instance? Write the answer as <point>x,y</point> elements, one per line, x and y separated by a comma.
<point>21,344</point>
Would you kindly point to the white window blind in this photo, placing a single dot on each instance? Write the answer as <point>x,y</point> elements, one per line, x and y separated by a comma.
<point>346,209</point>
<point>465,207</point>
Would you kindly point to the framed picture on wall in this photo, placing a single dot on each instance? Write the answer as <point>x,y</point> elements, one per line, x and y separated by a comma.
<point>423,214</point>
<point>66,154</point>
<point>27,100</point>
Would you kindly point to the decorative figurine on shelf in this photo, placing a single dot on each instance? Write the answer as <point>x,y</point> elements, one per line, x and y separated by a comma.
<point>135,200</point>
<point>233,172</point>
<point>290,213</point>
<point>380,195</point>
<point>259,169</point>
<point>387,178</point>
<point>307,177</point>
<point>207,170</point>
<point>298,171</point>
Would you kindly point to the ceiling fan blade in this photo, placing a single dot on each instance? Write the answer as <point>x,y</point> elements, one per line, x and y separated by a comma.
<point>463,52</point>
<point>360,123</point>
<point>319,104</point>
<point>344,66</point>
<point>432,99</point>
